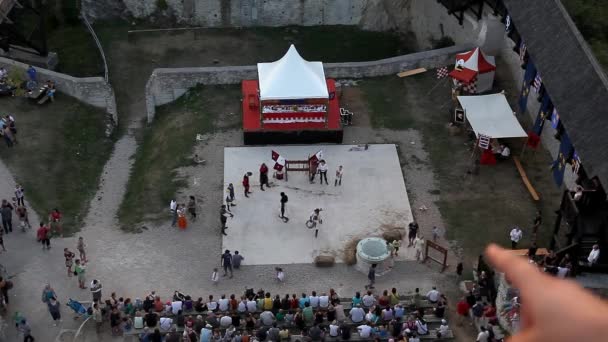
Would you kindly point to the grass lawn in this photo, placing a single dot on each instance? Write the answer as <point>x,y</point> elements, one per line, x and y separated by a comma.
<point>167,144</point>
<point>61,152</point>
<point>477,209</point>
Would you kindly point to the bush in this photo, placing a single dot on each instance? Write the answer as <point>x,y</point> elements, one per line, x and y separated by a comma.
<point>162,5</point>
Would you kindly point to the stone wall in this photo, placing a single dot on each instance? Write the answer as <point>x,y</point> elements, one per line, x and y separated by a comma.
<point>91,90</point>
<point>167,84</point>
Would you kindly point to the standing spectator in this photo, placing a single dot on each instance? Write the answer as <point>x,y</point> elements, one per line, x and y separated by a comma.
<point>80,247</point>
<point>19,195</point>
<point>214,276</point>
<point>284,200</point>
<point>594,255</point>
<point>55,220</point>
<point>483,335</point>
<point>192,208</point>
<point>419,246</point>
<point>96,290</point>
<point>8,136</point>
<point>322,169</point>
<point>54,310</point>
<point>69,260</point>
<point>371,275</point>
<point>246,183</point>
<point>32,74</point>
<point>98,317</point>
<point>516,235</point>
<point>339,173</point>
<point>237,259</point>
<point>48,293</point>
<point>538,220</point>
<point>5,285</point>
<point>7,216</point>
<point>2,240</point>
<point>182,223</point>
<point>413,231</point>
<point>224,217</point>
<point>173,209</point>
<point>230,191</point>
<point>23,217</point>
<point>79,271</point>
<point>435,233</point>
<point>280,274</point>
<point>43,234</point>
<point>478,310</point>
<point>25,330</point>
<point>433,295</point>
<point>226,262</point>
<point>396,244</point>
<point>263,176</point>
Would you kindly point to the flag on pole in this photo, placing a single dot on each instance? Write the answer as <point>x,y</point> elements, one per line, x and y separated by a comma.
<point>522,51</point>
<point>442,73</point>
<point>538,82</point>
<point>279,161</point>
<point>275,155</point>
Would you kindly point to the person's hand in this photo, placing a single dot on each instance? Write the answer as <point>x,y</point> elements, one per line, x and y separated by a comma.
<point>552,309</point>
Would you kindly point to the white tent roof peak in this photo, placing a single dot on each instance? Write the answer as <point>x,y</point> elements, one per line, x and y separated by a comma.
<point>491,115</point>
<point>292,77</point>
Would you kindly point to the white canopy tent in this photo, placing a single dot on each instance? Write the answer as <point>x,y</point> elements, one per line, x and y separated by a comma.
<point>492,116</point>
<point>291,78</point>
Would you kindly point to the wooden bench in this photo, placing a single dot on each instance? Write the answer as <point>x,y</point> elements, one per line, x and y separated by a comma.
<point>525,179</point>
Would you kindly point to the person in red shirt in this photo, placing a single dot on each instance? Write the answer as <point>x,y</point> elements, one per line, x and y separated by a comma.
<point>294,303</point>
<point>55,219</point>
<point>489,313</point>
<point>384,300</point>
<point>462,308</point>
<point>44,236</point>
<point>246,183</point>
<point>263,176</point>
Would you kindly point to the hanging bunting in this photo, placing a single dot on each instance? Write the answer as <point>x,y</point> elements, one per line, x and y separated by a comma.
<point>565,156</point>
<point>543,113</point>
<point>525,88</point>
<point>554,118</point>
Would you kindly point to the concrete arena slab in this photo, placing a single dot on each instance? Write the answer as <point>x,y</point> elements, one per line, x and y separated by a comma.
<point>372,197</point>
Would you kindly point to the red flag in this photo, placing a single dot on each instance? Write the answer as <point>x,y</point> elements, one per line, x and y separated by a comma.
<point>275,156</point>
<point>278,167</point>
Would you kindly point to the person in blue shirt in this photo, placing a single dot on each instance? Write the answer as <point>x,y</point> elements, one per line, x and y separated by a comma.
<point>303,301</point>
<point>31,73</point>
<point>206,333</point>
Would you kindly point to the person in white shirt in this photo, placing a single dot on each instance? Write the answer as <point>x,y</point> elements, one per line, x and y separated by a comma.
<point>225,321</point>
<point>223,303</point>
<point>339,173</point>
<point>242,307</point>
<point>364,330</point>
<point>516,235</point>
<point>322,169</point>
<point>368,300</point>
<point>267,318</point>
<point>173,208</point>
<point>314,300</point>
<point>357,314</point>
<point>594,255</point>
<point>433,295</point>
<point>323,301</point>
<point>252,306</point>
<point>443,328</point>
<point>483,335</point>
<point>165,323</point>
<point>212,304</point>
<point>562,272</point>
<point>176,306</point>
<point>503,152</point>
<point>340,316</point>
<point>334,329</point>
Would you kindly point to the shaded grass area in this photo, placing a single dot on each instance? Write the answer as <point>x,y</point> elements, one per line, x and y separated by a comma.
<point>61,152</point>
<point>591,18</point>
<point>167,144</point>
<point>477,209</point>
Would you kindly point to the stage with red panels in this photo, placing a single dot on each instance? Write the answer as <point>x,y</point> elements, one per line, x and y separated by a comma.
<point>304,129</point>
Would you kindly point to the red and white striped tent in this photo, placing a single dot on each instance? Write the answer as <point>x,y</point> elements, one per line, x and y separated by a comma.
<point>474,70</point>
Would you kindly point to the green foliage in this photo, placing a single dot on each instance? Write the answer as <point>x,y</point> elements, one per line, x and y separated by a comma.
<point>443,42</point>
<point>162,5</point>
<point>591,18</point>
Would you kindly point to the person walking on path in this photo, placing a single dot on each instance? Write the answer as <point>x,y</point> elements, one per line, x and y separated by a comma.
<point>48,293</point>
<point>8,136</point>
<point>2,240</point>
<point>69,260</point>
<point>516,234</point>
<point>173,209</point>
<point>24,328</point>
<point>23,217</point>
<point>396,245</point>
<point>371,275</point>
<point>182,223</point>
<point>55,310</point>
<point>192,208</point>
<point>19,195</point>
<point>315,218</point>
<point>80,247</point>
<point>224,217</point>
<point>413,231</point>
<point>96,290</point>
<point>339,173</point>
<point>5,285</point>
<point>246,183</point>
<point>263,176</point>
<point>226,262</point>
<point>322,169</point>
<point>44,236</point>
<point>55,220</point>
<point>7,216</point>
<point>79,271</point>
<point>230,191</point>
<point>419,243</point>
<point>236,260</point>
<point>284,200</point>
<point>214,276</point>
<point>538,220</point>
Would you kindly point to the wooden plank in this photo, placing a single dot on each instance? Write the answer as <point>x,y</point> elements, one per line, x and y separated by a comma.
<point>524,252</point>
<point>525,179</point>
<point>411,72</point>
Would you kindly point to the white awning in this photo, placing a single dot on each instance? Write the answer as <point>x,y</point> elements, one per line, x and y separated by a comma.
<point>292,77</point>
<point>491,115</point>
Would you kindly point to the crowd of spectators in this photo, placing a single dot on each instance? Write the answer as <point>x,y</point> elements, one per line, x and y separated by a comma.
<point>260,316</point>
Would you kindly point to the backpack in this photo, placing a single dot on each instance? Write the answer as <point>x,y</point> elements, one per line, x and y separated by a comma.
<point>478,310</point>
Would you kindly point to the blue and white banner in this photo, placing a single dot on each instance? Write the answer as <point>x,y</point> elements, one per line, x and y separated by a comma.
<point>566,151</point>
<point>525,87</point>
<point>554,118</point>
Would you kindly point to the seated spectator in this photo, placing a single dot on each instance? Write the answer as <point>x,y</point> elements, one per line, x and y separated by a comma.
<point>315,333</point>
<point>334,329</point>
<point>158,304</point>
<point>551,259</point>
<point>478,310</point>
<point>268,302</point>
<point>298,319</point>
<point>399,311</point>
<point>176,306</point>
<point>433,295</point>
<point>284,334</point>
<point>443,329</point>
<point>314,300</point>
<point>439,310</point>
<point>280,316</point>
<point>151,318</point>
<point>333,295</point>
<point>262,334</point>
<point>489,313</point>
<point>274,333</point>
<point>206,333</point>
<point>384,300</point>
<point>236,319</point>
<point>180,320</point>
<point>276,304</point>
<point>394,297</point>
<point>331,313</point>
<point>267,318</point>
<point>212,305</point>
<point>421,326</point>
<point>345,332</point>
<point>357,314</point>
<point>198,324</point>
<point>138,320</point>
<point>409,325</point>
<point>365,331</point>
<point>340,315</point>
<point>165,323</point>
<point>594,255</point>
<point>307,313</point>
<point>212,319</point>
<point>387,314</point>
<point>199,306</point>
<point>286,303</point>
<point>156,336</point>
<point>503,152</point>
<point>357,299</point>
<point>381,332</point>
<point>371,317</point>
<point>483,335</point>
<point>252,306</point>
<point>225,321</point>
<point>250,321</point>
<point>188,304</point>
<point>395,328</point>
<point>414,337</point>
<point>323,301</point>
<point>302,302</point>
<point>233,302</point>
<point>289,316</point>
<point>223,304</point>
<point>319,317</point>
<point>368,300</point>
<point>242,306</point>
